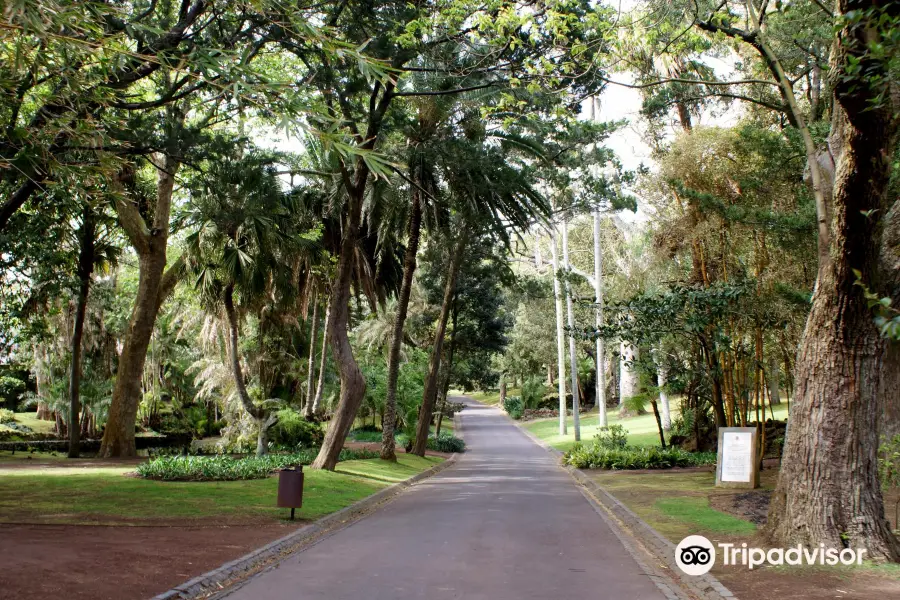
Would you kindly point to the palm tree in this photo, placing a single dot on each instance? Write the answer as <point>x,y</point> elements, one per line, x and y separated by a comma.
<point>243,252</point>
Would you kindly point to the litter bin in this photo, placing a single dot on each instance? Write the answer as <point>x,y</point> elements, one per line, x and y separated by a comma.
<point>290,489</point>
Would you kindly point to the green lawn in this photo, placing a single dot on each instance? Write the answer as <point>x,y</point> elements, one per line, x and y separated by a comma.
<point>30,420</point>
<point>107,495</point>
<point>490,397</point>
<point>642,430</point>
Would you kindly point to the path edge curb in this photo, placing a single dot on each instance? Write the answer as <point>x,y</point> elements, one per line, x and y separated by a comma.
<point>275,551</point>
<point>706,586</point>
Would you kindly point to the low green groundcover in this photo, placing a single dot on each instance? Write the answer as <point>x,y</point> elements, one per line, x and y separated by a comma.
<point>229,468</point>
<point>595,456</point>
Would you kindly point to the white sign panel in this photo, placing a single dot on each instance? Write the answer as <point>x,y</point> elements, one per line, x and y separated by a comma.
<point>737,456</point>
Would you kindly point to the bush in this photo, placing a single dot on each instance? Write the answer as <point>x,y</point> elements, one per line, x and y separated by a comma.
<point>612,437</point>
<point>533,390</point>
<point>446,442</point>
<point>366,434</point>
<point>7,416</point>
<point>514,407</point>
<point>292,431</point>
<point>594,456</point>
<point>228,468</point>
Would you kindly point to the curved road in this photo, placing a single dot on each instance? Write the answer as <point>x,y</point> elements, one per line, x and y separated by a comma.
<point>503,523</point>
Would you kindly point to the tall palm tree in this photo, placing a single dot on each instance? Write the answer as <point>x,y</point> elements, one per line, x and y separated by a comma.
<point>243,252</point>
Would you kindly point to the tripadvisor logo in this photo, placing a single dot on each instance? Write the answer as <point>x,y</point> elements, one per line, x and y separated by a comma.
<point>696,555</point>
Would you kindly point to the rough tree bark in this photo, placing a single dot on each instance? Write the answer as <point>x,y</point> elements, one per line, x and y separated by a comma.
<point>828,490</point>
<point>154,285</point>
<point>431,379</point>
<point>86,235</point>
<point>388,450</point>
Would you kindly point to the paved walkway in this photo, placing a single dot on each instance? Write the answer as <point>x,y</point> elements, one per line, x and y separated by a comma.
<point>503,523</point>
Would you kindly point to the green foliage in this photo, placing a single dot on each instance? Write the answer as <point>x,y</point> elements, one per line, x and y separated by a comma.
<point>227,468</point>
<point>594,456</point>
<point>889,470</point>
<point>11,388</point>
<point>612,437</point>
<point>7,416</point>
<point>294,432</point>
<point>533,390</point>
<point>446,442</point>
<point>636,404</point>
<point>514,407</point>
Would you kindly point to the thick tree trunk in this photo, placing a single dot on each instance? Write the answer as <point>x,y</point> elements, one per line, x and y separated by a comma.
<point>353,385</point>
<point>889,267</point>
<point>87,236</point>
<point>560,339</point>
<point>573,357</point>
<point>388,450</point>
<point>313,341</point>
<point>828,490</point>
<point>431,380</point>
<point>628,378</point>
<point>153,287</point>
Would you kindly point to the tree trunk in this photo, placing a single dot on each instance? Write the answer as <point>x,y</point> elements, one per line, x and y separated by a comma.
<point>388,450</point>
<point>628,379</point>
<point>774,375</point>
<point>659,424</point>
<point>86,236</point>
<point>560,339</point>
<point>573,358</point>
<point>431,383</point>
<point>258,413</point>
<point>153,288</point>
<point>600,350</point>
<point>353,385</point>
<point>313,341</point>
<point>828,490</point>
<point>662,376</point>
<point>316,408</point>
<point>447,373</point>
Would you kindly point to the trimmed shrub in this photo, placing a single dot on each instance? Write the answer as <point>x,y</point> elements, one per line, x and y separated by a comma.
<point>514,407</point>
<point>229,468</point>
<point>7,416</point>
<point>292,431</point>
<point>533,390</point>
<point>612,437</point>
<point>446,442</point>
<point>594,456</point>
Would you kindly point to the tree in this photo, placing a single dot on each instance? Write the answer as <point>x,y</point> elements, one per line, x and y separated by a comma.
<point>246,242</point>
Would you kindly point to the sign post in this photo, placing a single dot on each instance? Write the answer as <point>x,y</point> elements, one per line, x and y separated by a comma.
<point>737,465</point>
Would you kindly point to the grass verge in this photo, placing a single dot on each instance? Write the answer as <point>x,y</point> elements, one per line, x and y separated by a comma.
<point>104,495</point>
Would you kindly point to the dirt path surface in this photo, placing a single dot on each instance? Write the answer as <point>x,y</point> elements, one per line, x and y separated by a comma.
<point>503,523</point>
<point>117,563</point>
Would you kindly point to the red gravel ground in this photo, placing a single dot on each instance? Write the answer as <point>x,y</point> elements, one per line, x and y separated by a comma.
<point>117,563</point>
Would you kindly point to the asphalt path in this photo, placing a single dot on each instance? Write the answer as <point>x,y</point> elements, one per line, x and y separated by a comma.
<point>505,522</point>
